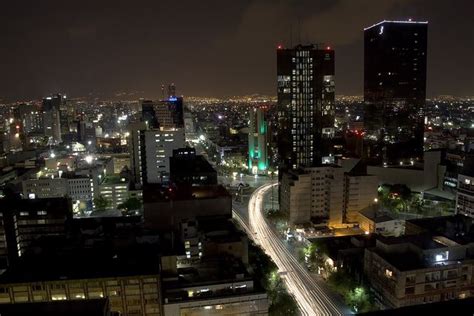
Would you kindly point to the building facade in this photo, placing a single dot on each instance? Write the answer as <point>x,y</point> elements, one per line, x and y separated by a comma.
<point>326,192</point>
<point>417,270</point>
<point>128,295</point>
<point>23,221</point>
<point>306,88</point>
<point>151,153</point>
<point>395,54</point>
<point>465,195</point>
<point>258,143</point>
<point>52,118</point>
<point>316,192</point>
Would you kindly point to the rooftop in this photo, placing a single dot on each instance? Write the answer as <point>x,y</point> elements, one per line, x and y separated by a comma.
<point>59,260</point>
<point>409,21</point>
<point>464,307</point>
<point>153,193</point>
<point>189,165</point>
<point>91,307</point>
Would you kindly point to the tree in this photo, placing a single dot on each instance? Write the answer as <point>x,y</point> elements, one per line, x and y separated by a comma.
<point>131,204</point>
<point>359,299</point>
<point>101,203</point>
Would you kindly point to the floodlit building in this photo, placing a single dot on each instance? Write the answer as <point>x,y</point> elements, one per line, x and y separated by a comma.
<point>258,142</point>
<point>316,192</point>
<point>327,192</point>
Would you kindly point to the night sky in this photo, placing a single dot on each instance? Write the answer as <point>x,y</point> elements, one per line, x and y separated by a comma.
<point>210,48</point>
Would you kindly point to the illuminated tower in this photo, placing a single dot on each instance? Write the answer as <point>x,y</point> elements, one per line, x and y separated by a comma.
<point>395,90</point>
<point>305,105</point>
<point>258,131</point>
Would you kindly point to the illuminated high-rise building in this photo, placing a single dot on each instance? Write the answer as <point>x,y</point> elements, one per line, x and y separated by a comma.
<point>395,90</point>
<point>258,131</point>
<point>166,113</point>
<point>305,105</point>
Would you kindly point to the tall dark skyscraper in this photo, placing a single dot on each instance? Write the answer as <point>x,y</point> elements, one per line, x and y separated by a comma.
<point>395,90</point>
<point>305,105</point>
<point>52,117</point>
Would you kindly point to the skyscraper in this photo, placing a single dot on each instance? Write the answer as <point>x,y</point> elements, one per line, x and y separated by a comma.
<point>167,113</point>
<point>51,117</point>
<point>151,150</point>
<point>305,105</point>
<point>395,90</point>
<point>258,131</point>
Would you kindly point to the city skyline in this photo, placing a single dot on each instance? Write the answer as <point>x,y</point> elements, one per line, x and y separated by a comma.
<point>74,49</point>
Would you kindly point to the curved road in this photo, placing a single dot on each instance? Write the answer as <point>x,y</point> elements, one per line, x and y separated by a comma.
<point>312,297</point>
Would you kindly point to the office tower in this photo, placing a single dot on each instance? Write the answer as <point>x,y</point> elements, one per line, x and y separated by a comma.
<point>258,131</point>
<point>25,220</point>
<point>171,90</point>
<point>31,117</point>
<point>395,90</point>
<point>187,168</point>
<point>52,118</point>
<point>151,151</point>
<point>148,113</point>
<point>16,135</point>
<point>305,105</point>
<point>86,133</point>
<point>167,113</point>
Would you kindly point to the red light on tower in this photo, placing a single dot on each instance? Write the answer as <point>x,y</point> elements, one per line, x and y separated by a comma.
<point>280,46</point>
<point>328,48</point>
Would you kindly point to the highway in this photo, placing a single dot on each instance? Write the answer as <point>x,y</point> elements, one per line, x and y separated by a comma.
<point>312,295</point>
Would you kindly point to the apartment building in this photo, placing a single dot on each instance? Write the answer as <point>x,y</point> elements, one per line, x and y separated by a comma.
<point>327,192</point>
<point>418,269</point>
<point>130,280</point>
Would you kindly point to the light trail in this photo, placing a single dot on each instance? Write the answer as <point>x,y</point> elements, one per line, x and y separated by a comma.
<point>311,297</point>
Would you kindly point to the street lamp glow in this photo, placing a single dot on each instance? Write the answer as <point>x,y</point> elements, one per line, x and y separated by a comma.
<point>89,159</point>
<point>202,137</point>
<point>52,155</point>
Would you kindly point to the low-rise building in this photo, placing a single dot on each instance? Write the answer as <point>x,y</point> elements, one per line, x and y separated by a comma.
<point>218,286</point>
<point>371,222</point>
<point>167,207</point>
<point>428,267</point>
<point>24,221</point>
<point>465,195</point>
<point>114,189</point>
<point>188,168</point>
<point>130,280</point>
